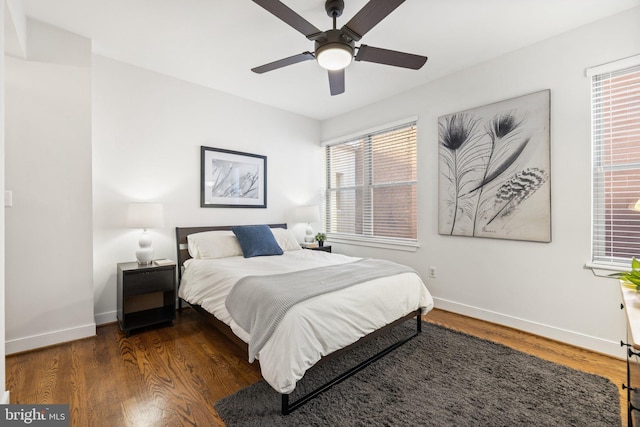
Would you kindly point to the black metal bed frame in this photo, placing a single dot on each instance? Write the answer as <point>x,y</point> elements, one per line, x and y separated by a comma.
<point>288,407</point>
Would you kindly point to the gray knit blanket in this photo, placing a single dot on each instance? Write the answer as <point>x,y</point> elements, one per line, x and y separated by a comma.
<point>258,303</point>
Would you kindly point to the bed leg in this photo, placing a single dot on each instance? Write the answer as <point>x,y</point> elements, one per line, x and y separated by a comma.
<point>285,404</point>
<point>419,321</point>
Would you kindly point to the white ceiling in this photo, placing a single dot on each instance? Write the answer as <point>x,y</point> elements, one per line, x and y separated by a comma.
<point>215,43</point>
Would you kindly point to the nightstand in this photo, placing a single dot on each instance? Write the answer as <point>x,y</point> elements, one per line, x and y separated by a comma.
<point>146,295</point>
<point>325,248</point>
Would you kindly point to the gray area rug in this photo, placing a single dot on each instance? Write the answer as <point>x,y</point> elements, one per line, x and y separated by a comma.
<point>440,378</point>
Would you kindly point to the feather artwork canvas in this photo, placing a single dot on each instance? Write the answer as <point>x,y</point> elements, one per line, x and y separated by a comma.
<point>494,170</point>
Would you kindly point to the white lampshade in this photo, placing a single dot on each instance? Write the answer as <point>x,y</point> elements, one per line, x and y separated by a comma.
<point>310,213</point>
<point>145,215</point>
<point>334,56</point>
<point>636,206</point>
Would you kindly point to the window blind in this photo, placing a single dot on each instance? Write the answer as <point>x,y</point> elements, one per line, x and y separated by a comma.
<point>615,118</point>
<point>371,185</point>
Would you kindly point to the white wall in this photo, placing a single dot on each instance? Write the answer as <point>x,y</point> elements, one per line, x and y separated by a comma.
<point>4,399</point>
<point>15,31</point>
<point>147,133</point>
<point>48,256</point>
<point>540,287</point>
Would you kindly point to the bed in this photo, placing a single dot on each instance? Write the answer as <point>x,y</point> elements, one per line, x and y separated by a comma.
<point>214,271</point>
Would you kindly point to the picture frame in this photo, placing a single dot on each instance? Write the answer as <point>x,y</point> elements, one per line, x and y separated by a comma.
<point>494,170</point>
<point>232,179</point>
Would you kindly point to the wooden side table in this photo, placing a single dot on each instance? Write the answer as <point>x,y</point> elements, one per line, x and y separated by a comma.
<point>631,307</point>
<point>146,295</point>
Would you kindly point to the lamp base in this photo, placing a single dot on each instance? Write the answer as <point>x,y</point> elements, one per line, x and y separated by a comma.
<point>144,254</point>
<point>308,238</point>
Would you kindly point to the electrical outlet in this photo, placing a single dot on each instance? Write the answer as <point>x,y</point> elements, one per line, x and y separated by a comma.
<point>432,272</point>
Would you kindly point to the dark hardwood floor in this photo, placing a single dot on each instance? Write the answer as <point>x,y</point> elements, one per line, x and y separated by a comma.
<point>172,376</point>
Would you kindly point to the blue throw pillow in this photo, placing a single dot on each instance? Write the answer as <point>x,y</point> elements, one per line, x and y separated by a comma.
<point>256,240</point>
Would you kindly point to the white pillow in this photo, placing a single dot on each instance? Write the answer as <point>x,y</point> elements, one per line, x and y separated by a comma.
<point>213,244</point>
<point>286,240</point>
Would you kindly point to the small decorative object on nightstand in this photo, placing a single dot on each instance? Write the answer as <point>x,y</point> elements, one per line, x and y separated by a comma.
<point>146,294</point>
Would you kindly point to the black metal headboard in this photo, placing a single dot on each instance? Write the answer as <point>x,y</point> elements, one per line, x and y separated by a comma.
<point>183,232</point>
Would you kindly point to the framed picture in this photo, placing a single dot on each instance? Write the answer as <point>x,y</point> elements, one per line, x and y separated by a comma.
<point>494,170</point>
<point>231,179</point>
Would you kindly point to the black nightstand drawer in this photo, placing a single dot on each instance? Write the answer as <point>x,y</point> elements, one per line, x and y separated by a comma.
<point>326,248</point>
<point>146,295</point>
<point>153,280</point>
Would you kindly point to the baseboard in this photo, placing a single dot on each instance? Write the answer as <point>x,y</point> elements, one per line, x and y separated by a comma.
<point>5,398</point>
<point>49,338</point>
<point>599,345</point>
<point>110,317</point>
<point>611,348</point>
<point>104,318</point>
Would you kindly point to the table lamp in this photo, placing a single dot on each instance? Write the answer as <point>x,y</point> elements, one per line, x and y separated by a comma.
<point>145,216</point>
<point>308,214</point>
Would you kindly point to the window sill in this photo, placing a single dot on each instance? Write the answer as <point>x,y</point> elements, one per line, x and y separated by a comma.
<point>374,243</point>
<point>604,270</point>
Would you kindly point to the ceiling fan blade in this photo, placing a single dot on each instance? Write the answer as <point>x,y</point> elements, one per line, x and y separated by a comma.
<point>369,16</point>
<point>390,57</point>
<point>282,11</point>
<point>336,81</point>
<point>305,56</point>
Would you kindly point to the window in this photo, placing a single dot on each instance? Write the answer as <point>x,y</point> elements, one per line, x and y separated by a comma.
<point>615,117</point>
<point>371,186</point>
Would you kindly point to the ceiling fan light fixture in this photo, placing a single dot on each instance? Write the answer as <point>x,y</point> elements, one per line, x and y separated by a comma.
<point>336,48</point>
<point>334,56</point>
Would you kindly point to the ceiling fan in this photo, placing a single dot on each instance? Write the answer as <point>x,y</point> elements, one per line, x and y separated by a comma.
<point>335,48</point>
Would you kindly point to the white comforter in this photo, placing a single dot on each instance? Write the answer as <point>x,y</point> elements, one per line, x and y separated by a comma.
<point>313,328</point>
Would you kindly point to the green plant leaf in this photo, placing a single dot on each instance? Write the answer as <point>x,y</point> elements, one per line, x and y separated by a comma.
<point>631,277</point>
